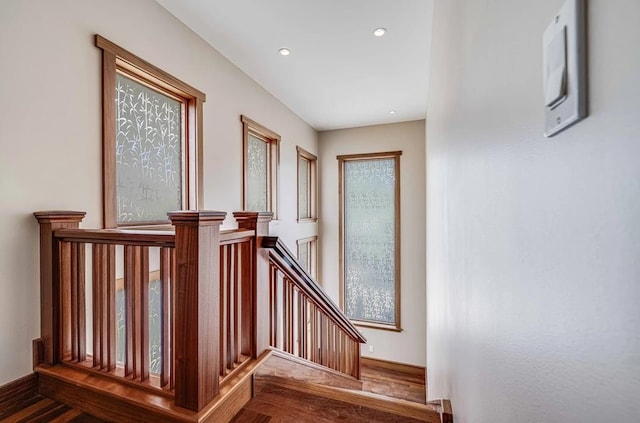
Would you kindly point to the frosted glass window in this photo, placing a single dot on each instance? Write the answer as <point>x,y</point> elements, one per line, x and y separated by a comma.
<point>307,185</point>
<point>261,161</point>
<point>148,152</point>
<point>303,188</point>
<point>258,176</point>
<point>303,255</point>
<point>369,207</point>
<point>307,254</point>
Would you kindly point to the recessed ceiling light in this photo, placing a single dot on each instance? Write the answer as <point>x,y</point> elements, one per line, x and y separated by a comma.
<point>379,32</point>
<point>392,112</point>
<point>285,51</point>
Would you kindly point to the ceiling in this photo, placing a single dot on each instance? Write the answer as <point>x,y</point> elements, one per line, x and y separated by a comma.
<point>338,75</point>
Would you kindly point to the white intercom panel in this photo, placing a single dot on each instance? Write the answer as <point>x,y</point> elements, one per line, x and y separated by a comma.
<point>565,68</point>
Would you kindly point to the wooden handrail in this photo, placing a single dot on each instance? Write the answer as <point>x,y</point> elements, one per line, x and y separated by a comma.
<point>232,236</point>
<point>118,236</point>
<point>288,263</point>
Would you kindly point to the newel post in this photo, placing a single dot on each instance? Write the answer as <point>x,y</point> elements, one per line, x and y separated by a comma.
<point>259,221</point>
<point>50,221</point>
<point>197,307</point>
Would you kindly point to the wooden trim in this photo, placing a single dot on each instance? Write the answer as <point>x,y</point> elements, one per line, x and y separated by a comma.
<point>272,140</point>
<point>17,392</point>
<point>288,365</point>
<point>411,369</point>
<point>259,129</point>
<point>116,59</point>
<point>147,67</point>
<point>369,156</point>
<point>443,406</point>
<point>313,253</point>
<point>312,185</point>
<point>395,155</point>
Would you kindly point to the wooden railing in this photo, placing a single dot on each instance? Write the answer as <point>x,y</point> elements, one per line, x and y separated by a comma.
<point>303,320</point>
<point>220,299</point>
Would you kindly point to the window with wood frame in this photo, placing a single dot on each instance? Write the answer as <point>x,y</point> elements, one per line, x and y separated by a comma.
<point>307,186</point>
<point>308,255</point>
<point>152,138</point>
<point>261,162</point>
<point>369,202</point>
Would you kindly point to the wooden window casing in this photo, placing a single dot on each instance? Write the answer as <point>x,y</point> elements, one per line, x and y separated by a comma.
<point>272,139</point>
<point>116,60</point>
<point>395,155</point>
<point>311,262</point>
<point>304,158</point>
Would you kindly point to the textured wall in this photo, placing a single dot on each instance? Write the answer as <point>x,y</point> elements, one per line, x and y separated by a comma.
<point>533,248</point>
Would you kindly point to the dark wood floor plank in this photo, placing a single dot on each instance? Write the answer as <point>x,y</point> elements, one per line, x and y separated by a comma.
<point>248,416</point>
<point>286,405</point>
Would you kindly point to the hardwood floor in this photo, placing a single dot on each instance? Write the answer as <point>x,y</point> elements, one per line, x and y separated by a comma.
<point>44,410</point>
<point>272,403</point>
<point>277,404</point>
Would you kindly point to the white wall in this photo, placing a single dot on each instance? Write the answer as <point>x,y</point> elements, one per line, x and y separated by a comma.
<point>50,137</point>
<point>409,345</point>
<point>533,249</point>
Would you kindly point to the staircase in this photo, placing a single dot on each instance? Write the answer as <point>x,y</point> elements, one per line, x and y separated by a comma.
<point>194,324</point>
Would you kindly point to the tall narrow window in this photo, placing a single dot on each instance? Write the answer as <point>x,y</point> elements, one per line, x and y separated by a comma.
<point>307,186</point>
<point>308,255</point>
<point>370,238</point>
<point>261,159</point>
<point>152,135</point>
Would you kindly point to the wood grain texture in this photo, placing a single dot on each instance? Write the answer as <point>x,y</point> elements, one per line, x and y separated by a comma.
<point>290,404</point>
<point>197,318</point>
<point>18,392</point>
<point>50,221</point>
<point>394,406</point>
<point>285,365</point>
<point>394,379</point>
<point>259,222</point>
<point>115,400</point>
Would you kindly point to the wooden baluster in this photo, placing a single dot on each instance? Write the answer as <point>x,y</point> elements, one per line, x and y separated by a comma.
<point>246,306</point>
<point>104,330</point>
<point>136,277</point>
<point>97,281</point>
<point>65,300</point>
<point>143,317</point>
<point>314,334</point>
<point>78,302</point>
<point>224,315</point>
<point>285,313</point>
<point>231,301</point>
<point>292,321</point>
<point>172,383</point>
<point>237,294</point>
<point>197,313</point>
<point>165,315</point>
<point>356,359</point>
<point>51,285</point>
<point>110,312</point>
<point>259,221</point>
<point>300,324</point>
<point>273,284</point>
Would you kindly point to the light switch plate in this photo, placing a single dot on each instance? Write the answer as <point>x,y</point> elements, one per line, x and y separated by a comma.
<point>567,88</point>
